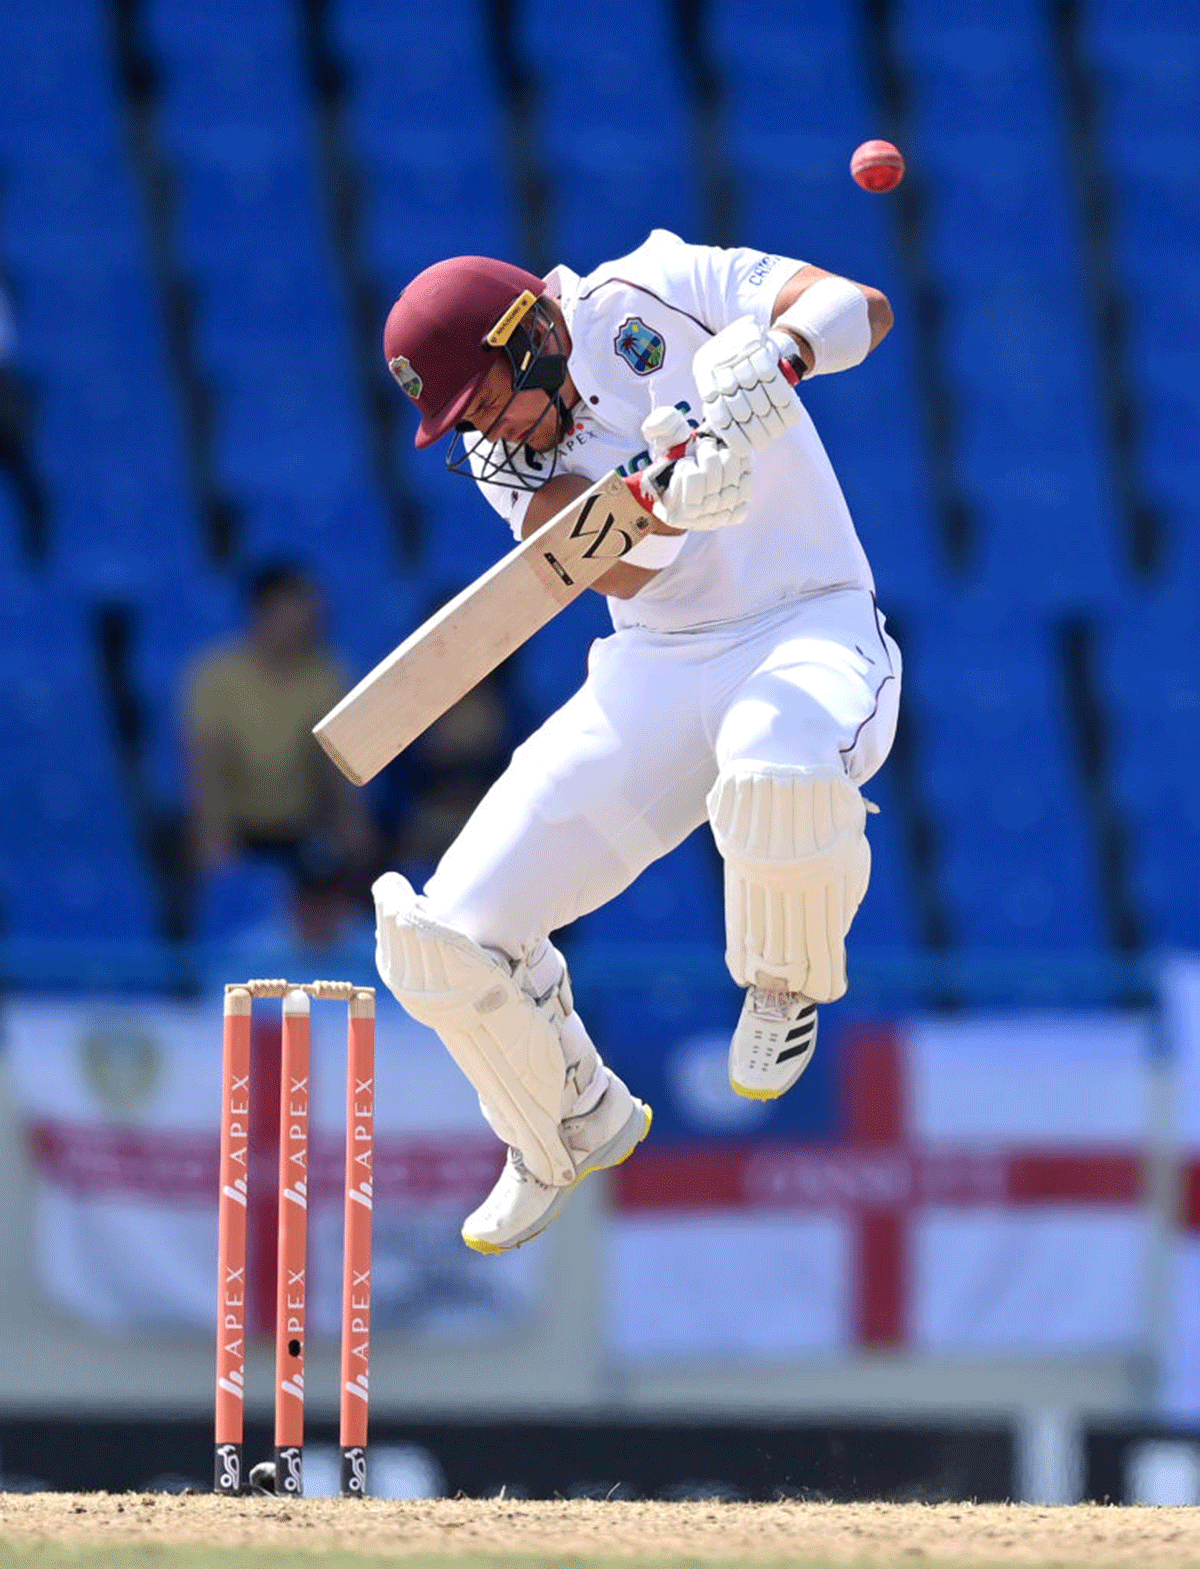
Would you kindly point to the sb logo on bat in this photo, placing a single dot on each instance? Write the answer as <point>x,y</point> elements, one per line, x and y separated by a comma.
<point>606,539</point>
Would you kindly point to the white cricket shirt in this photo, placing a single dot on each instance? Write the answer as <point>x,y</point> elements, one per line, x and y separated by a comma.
<point>635,324</point>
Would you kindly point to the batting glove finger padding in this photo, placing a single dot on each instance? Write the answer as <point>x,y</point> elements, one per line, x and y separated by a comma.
<point>708,488</point>
<point>747,399</point>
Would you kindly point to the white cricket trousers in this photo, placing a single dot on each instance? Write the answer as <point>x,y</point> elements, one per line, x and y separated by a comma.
<point>619,775</point>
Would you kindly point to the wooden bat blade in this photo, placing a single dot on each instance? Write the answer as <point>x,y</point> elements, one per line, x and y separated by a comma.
<point>455,649</point>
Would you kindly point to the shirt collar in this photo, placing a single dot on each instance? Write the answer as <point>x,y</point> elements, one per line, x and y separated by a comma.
<point>564,285</point>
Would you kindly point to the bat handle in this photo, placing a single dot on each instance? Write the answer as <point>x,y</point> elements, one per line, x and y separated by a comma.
<point>637,482</point>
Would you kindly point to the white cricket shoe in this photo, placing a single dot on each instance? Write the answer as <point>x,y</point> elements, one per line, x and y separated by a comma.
<point>773,1043</point>
<point>520,1206</point>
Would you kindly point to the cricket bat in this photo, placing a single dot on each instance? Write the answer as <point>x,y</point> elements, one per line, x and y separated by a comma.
<point>455,649</point>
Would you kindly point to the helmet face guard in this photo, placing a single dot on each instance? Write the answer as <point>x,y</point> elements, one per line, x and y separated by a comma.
<point>535,357</point>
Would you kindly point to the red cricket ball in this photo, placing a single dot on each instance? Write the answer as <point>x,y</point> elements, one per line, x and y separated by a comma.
<point>877,166</point>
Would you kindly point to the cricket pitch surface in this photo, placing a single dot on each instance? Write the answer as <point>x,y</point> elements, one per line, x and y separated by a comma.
<point>165,1531</point>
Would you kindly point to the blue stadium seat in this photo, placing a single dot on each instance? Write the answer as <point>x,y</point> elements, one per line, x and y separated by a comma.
<point>240,897</point>
<point>1018,338</point>
<point>11,526</point>
<point>1048,539</point>
<point>384,30</point>
<point>74,870</point>
<point>1013,226</point>
<point>1129,31</point>
<point>367,621</point>
<point>764,95</point>
<point>594,179</point>
<point>284,438</point>
<point>886,918</point>
<point>676,899</point>
<point>887,489</point>
<point>97,896</point>
<point>343,535</point>
<point>796,197</point>
<point>58,99</point>
<point>1003,92</point>
<point>60,308</point>
<point>200,32</point>
<point>740,30</point>
<point>436,90</point>
<point>68,215</point>
<point>1157,96</point>
<point>1151,682</point>
<point>1175,490</point>
<point>173,630</point>
<point>973,24</point>
<point>1160,317</point>
<point>463,535</point>
<point>1016,866</point>
<point>243,208</point>
<point>553,664</point>
<point>61,27</point>
<point>236,339</point>
<point>428,205</point>
<point>237,100</point>
<point>1158,190</point>
<point>244,134</point>
<point>632,68</point>
<point>1002,425</point>
<point>127,544</point>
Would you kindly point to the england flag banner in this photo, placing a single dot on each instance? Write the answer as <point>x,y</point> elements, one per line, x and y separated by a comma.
<point>964,1187</point>
<point>1181,1358</point>
<point>120,1102</point>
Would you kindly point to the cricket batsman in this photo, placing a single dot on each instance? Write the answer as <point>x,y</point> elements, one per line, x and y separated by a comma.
<point>749,681</point>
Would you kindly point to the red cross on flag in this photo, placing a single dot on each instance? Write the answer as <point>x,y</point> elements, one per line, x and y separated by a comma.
<point>984,1192</point>
<point>1181,1352</point>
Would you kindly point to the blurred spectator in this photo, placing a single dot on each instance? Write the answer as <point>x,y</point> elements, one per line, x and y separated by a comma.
<point>260,784</point>
<point>15,457</point>
<point>317,911</point>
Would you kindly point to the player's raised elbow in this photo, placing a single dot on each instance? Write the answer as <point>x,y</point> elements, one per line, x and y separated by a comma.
<point>879,314</point>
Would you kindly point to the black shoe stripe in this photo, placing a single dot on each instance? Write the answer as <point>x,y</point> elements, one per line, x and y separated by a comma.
<point>801,1029</point>
<point>792,1051</point>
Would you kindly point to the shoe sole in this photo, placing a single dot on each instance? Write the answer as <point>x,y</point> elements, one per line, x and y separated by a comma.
<point>603,1159</point>
<point>745,1091</point>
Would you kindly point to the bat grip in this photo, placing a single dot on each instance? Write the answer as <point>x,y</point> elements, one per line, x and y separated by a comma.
<point>637,482</point>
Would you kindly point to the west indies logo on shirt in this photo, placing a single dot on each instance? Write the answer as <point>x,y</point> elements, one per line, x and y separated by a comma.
<point>642,349</point>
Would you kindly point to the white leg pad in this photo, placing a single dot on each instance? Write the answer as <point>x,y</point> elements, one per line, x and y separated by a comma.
<point>797,865</point>
<point>530,1061</point>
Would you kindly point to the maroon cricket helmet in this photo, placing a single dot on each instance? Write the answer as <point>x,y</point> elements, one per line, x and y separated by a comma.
<point>436,337</point>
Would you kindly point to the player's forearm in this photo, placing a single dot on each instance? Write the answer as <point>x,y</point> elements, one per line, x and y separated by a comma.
<point>621,581</point>
<point>879,310</point>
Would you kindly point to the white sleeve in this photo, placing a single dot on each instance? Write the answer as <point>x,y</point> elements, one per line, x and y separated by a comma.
<point>724,285</point>
<point>509,501</point>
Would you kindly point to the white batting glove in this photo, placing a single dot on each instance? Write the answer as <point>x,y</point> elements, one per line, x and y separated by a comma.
<point>707,488</point>
<point>747,398</point>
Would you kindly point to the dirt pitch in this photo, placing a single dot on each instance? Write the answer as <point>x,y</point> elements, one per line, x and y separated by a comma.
<point>161,1531</point>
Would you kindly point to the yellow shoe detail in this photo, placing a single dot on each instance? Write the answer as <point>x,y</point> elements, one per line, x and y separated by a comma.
<point>748,1094</point>
<point>478,1245</point>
